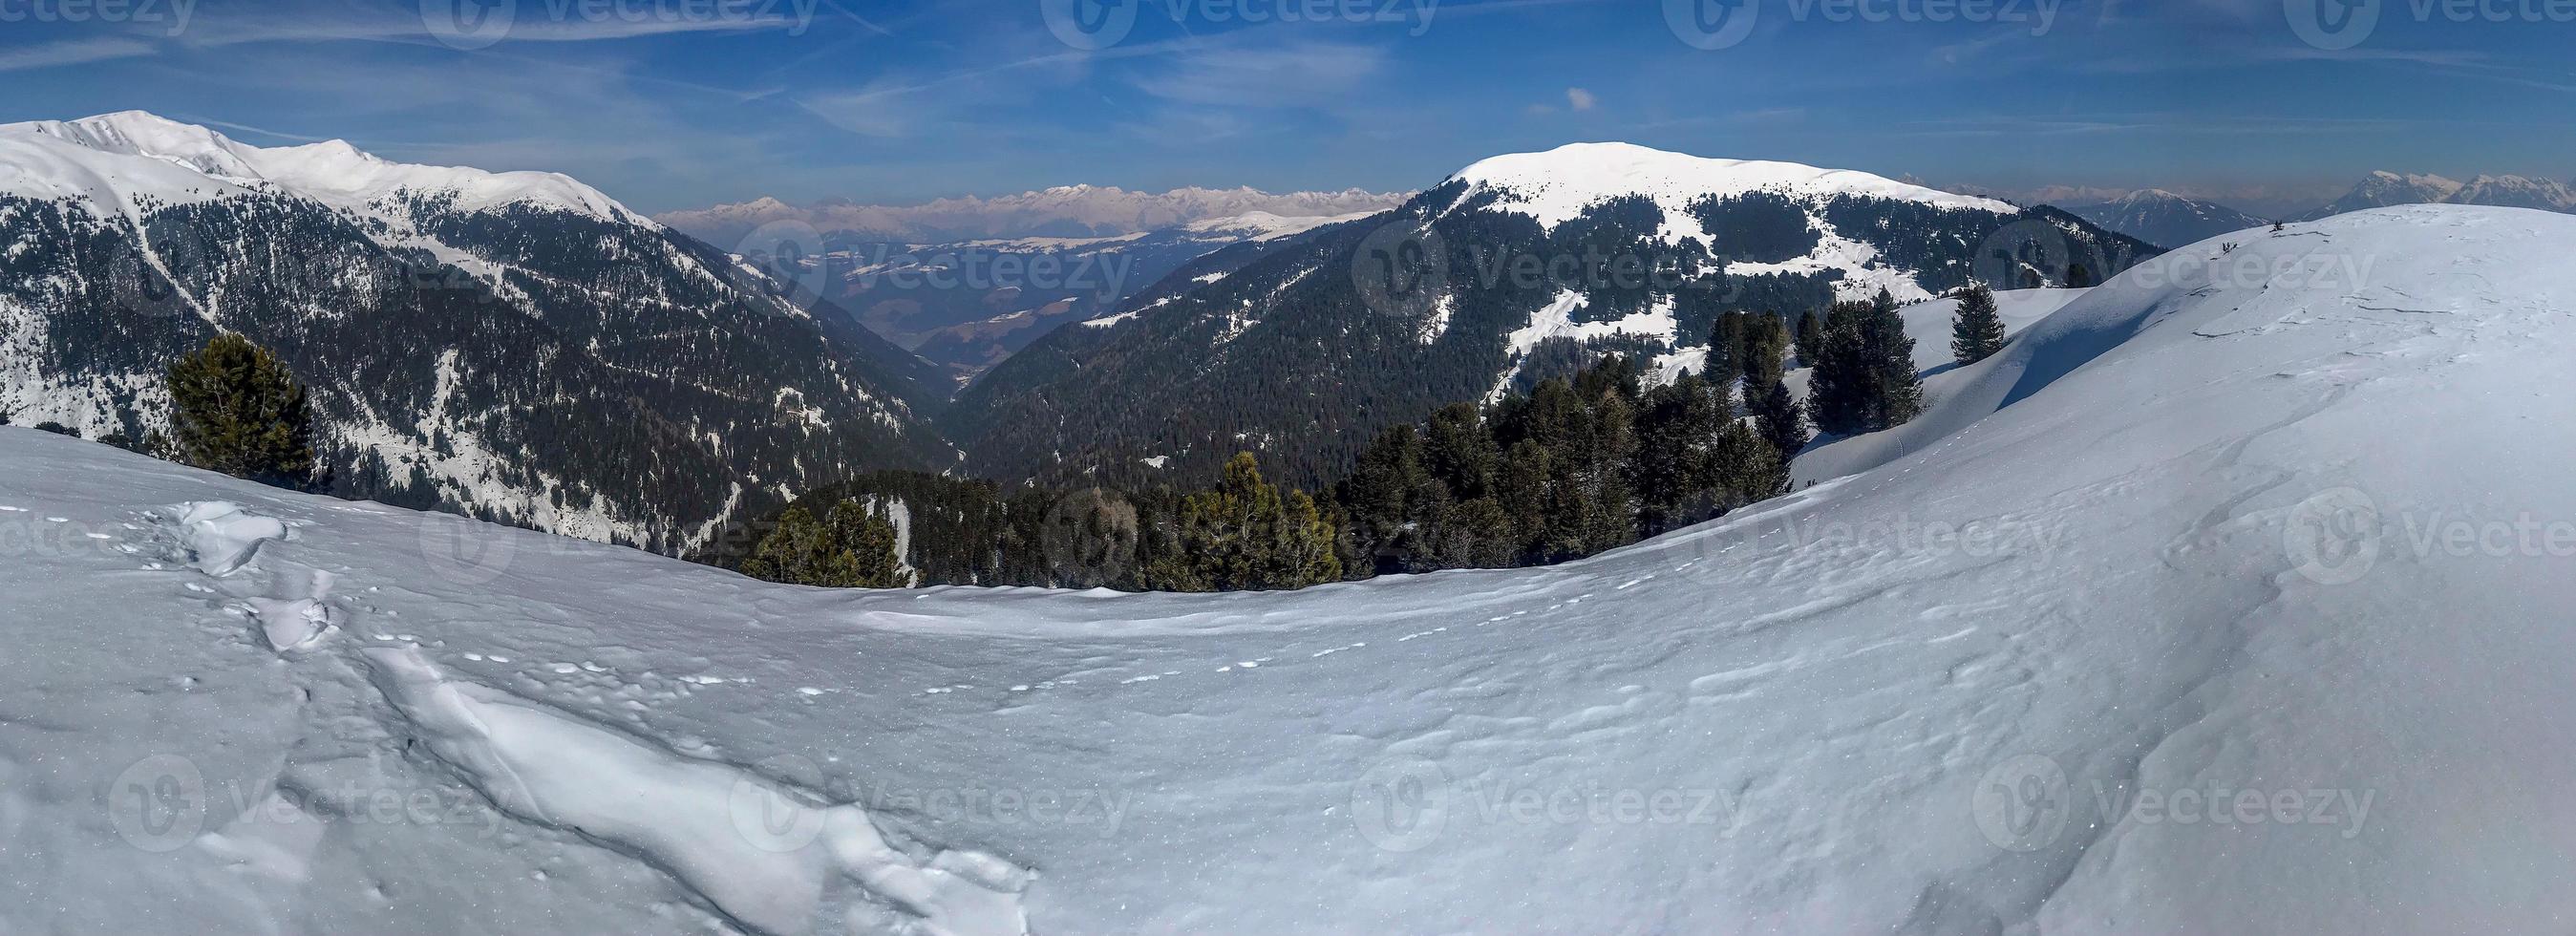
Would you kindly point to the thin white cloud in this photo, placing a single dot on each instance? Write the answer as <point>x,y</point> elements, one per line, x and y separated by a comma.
<point>1580,99</point>
<point>1297,75</point>
<point>72,52</point>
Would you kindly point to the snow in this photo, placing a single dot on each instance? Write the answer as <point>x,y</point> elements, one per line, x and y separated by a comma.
<point>1556,320</point>
<point>114,158</point>
<point>221,536</point>
<point>1928,323</point>
<point>2188,539</point>
<point>1264,227</point>
<point>1559,185</point>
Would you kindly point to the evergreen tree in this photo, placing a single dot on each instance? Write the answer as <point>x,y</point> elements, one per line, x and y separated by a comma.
<point>854,547</point>
<point>235,409</point>
<point>1809,338</point>
<point>1864,379</point>
<point>1246,536</point>
<point>1386,496</point>
<point>1777,419</point>
<point>1672,472</point>
<point>1458,448</point>
<point>1749,469</point>
<point>1766,342</point>
<point>1976,330</point>
<point>2078,277</point>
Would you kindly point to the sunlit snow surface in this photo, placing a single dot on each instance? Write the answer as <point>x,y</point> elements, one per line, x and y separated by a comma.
<point>2186,660</point>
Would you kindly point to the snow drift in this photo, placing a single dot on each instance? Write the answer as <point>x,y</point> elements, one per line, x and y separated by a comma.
<point>2189,613</point>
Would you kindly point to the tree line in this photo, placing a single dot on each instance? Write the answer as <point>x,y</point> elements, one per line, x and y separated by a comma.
<point>1574,467</point>
<point>1571,468</point>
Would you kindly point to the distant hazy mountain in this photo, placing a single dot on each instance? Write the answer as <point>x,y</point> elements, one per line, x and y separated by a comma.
<point>2382,189</point>
<point>966,305</point>
<point>1064,211</point>
<point>2165,219</point>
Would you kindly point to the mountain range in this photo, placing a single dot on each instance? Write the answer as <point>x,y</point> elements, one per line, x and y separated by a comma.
<point>1072,211</point>
<point>966,305</point>
<point>521,347</point>
<point>514,345</point>
<point>2382,189</point>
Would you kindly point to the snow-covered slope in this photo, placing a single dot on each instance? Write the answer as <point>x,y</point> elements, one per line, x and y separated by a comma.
<point>1558,185</point>
<point>2152,637</point>
<point>113,157</point>
<point>1929,324</point>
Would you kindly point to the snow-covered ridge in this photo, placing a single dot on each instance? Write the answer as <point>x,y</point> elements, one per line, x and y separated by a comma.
<point>1558,185</point>
<point>116,158</point>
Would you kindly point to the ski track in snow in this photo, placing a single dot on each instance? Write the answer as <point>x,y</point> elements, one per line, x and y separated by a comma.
<point>768,855</point>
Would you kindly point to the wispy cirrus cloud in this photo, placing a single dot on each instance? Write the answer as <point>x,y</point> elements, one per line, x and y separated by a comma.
<point>72,52</point>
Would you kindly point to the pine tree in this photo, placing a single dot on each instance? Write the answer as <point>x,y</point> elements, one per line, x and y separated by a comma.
<point>1386,496</point>
<point>1810,338</point>
<point>1246,536</point>
<point>1976,330</point>
<point>236,409</point>
<point>853,548</point>
<point>1749,468</point>
<point>1766,342</point>
<point>1864,379</point>
<point>1777,419</point>
<point>2078,277</point>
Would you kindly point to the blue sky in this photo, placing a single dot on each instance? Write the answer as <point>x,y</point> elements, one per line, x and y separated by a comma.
<point>681,103</point>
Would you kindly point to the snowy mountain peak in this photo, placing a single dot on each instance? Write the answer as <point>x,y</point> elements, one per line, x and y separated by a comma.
<point>1557,185</point>
<point>2158,216</point>
<point>2385,188</point>
<point>118,157</point>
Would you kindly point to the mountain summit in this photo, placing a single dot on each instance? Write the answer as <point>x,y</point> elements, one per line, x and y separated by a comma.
<point>88,158</point>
